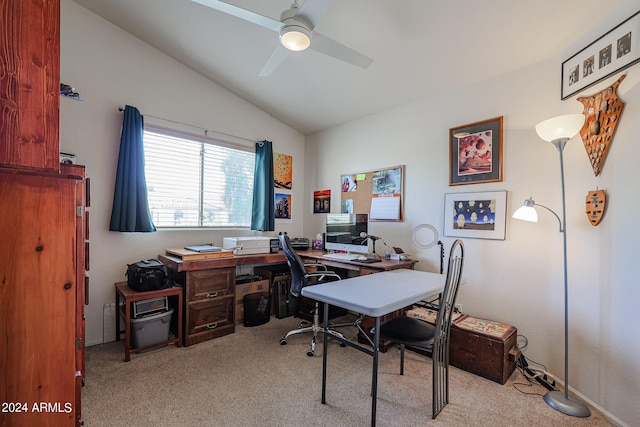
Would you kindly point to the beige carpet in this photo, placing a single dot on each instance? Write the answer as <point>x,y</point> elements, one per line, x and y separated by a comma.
<point>249,379</point>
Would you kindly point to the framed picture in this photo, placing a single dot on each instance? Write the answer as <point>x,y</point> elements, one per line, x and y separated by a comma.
<point>283,206</point>
<point>282,171</point>
<point>480,215</point>
<point>616,50</point>
<point>475,152</point>
<point>322,201</point>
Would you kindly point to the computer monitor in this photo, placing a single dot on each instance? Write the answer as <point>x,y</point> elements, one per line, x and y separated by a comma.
<point>343,233</point>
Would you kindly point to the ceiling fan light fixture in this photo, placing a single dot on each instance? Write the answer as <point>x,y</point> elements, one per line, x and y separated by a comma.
<point>295,37</point>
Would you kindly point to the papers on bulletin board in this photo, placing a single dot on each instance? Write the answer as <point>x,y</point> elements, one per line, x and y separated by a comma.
<point>385,208</point>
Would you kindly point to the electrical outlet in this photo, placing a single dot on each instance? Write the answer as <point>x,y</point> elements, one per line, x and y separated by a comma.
<point>458,308</point>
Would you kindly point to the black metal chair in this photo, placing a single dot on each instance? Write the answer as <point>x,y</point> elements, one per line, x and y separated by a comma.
<point>300,278</point>
<point>416,333</point>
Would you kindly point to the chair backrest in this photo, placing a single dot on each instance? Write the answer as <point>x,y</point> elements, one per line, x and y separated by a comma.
<point>298,271</point>
<point>450,292</point>
<point>440,353</point>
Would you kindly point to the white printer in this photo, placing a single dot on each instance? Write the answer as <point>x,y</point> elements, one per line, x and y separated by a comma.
<point>248,245</point>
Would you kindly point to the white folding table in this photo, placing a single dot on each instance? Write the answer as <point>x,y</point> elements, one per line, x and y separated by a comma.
<point>373,295</point>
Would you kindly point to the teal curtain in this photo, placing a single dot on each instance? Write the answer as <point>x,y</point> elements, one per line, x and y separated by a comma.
<point>130,211</point>
<point>263,212</point>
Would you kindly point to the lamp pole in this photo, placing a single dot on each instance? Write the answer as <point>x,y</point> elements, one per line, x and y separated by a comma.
<point>562,401</point>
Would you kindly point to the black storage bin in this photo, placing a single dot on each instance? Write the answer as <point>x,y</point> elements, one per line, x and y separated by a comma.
<point>279,277</point>
<point>257,309</point>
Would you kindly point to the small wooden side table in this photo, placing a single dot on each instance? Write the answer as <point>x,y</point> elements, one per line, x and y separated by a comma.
<point>124,292</point>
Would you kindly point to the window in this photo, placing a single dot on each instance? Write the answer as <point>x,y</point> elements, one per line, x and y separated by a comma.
<point>196,181</point>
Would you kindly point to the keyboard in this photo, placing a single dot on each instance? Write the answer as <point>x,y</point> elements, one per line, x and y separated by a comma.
<point>342,257</point>
<point>369,260</point>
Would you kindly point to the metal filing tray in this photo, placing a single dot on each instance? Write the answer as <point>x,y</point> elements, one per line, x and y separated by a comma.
<point>149,307</point>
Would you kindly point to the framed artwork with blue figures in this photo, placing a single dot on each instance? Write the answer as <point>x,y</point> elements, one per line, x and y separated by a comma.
<point>479,215</point>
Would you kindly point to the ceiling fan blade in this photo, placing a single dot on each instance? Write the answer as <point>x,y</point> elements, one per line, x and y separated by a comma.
<point>330,47</point>
<point>277,57</point>
<point>313,11</point>
<point>247,15</point>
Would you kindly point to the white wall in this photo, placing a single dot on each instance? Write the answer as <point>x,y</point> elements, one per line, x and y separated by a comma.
<point>519,281</point>
<point>110,69</point>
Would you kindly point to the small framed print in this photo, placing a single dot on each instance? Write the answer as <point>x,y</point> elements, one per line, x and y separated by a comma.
<point>613,52</point>
<point>475,152</point>
<point>322,201</point>
<point>283,206</point>
<point>480,215</point>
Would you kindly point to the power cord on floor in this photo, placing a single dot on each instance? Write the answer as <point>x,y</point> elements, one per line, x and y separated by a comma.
<point>531,374</point>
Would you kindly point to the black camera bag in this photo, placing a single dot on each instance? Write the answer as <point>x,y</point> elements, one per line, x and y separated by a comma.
<point>147,275</point>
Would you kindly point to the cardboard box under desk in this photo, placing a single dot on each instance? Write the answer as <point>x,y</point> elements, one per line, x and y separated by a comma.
<point>245,289</point>
<point>482,347</point>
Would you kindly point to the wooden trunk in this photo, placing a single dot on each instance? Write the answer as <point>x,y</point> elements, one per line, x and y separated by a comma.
<point>483,348</point>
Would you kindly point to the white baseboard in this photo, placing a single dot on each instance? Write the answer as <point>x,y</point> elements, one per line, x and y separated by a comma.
<point>608,415</point>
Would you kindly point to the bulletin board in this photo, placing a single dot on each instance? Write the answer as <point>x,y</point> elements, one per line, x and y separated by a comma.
<point>378,193</point>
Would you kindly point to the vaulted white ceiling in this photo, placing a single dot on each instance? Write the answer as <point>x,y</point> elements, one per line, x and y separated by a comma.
<point>419,48</point>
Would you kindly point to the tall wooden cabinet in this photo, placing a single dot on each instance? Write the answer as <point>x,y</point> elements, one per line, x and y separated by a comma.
<point>43,228</point>
<point>40,292</point>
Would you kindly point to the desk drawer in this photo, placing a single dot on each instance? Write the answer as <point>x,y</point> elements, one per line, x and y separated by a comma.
<point>209,319</point>
<point>208,284</point>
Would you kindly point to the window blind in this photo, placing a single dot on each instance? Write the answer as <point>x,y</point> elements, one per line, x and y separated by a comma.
<point>197,182</point>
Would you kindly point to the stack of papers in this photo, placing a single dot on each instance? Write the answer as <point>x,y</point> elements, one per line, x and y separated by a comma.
<point>203,248</point>
<point>192,253</point>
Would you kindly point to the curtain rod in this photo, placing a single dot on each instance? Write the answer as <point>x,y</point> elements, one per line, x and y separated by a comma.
<point>121,109</point>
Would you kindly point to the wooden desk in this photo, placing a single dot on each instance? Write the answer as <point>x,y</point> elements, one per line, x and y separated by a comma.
<point>374,295</point>
<point>209,286</point>
<point>123,291</point>
<point>177,264</point>
<point>355,266</point>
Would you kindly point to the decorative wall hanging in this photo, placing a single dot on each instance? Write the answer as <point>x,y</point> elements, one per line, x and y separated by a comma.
<point>283,206</point>
<point>282,170</point>
<point>596,202</point>
<point>479,215</point>
<point>322,201</point>
<point>616,50</point>
<point>602,112</point>
<point>475,152</point>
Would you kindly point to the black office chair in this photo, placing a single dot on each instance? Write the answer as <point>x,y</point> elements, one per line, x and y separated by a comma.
<point>416,333</point>
<point>300,278</point>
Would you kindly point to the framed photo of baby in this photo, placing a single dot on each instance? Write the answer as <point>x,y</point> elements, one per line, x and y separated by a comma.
<point>475,152</point>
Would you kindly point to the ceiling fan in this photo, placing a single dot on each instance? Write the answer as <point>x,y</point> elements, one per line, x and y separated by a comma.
<point>296,32</point>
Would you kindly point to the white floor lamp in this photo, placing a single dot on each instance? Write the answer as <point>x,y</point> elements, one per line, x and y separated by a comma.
<point>558,131</point>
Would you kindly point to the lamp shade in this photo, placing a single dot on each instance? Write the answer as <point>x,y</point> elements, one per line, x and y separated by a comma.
<point>527,212</point>
<point>295,37</point>
<point>561,127</point>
